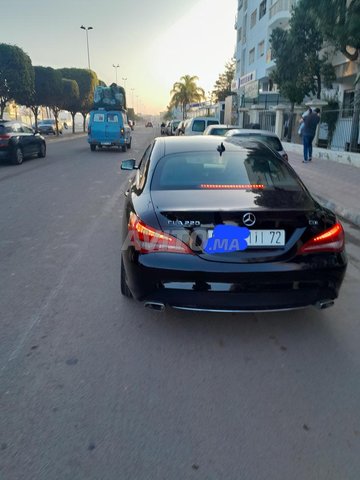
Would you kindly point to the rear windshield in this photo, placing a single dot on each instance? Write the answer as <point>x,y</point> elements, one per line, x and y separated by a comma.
<point>198,126</point>
<point>209,170</point>
<point>273,142</point>
<point>99,117</point>
<point>219,130</point>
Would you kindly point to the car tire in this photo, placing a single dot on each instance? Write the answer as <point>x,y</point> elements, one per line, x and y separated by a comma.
<point>124,148</point>
<point>17,156</point>
<point>123,285</point>
<point>93,148</point>
<point>42,151</point>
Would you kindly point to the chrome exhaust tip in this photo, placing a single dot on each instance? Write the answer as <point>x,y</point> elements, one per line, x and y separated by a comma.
<point>160,307</point>
<point>322,304</point>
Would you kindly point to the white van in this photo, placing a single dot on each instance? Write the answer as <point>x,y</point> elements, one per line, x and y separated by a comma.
<point>197,125</point>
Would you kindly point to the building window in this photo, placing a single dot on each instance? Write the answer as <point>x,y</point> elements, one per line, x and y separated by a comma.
<point>262,9</point>
<point>244,29</point>
<point>253,19</point>
<point>252,56</point>
<point>348,104</point>
<point>261,49</point>
<point>239,34</point>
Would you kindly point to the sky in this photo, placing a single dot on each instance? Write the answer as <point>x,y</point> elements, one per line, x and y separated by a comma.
<point>154,42</point>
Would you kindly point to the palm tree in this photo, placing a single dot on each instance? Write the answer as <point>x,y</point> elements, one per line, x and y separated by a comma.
<point>186,91</point>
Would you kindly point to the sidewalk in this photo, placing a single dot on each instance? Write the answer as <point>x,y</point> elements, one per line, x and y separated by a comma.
<point>334,184</point>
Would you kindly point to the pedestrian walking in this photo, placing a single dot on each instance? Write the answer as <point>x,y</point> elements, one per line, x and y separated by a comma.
<point>311,122</point>
<point>301,126</point>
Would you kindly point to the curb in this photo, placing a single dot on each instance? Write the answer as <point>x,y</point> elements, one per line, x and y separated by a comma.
<point>61,138</point>
<point>346,158</point>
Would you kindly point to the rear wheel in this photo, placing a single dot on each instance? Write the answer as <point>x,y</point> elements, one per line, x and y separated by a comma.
<point>42,151</point>
<point>18,156</point>
<point>123,285</point>
<point>93,148</point>
<point>124,148</point>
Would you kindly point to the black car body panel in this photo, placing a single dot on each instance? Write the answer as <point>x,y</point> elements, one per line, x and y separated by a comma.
<point>255,279</point>
<point>15,135</point>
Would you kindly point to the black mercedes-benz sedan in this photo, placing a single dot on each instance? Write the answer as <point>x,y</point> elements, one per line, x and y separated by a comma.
<point>213,223</point>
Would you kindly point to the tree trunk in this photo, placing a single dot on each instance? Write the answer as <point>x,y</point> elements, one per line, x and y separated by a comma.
<point>84,121</point>
<point>35,111</point>
<point>73,121</point>
<point>354,135</point>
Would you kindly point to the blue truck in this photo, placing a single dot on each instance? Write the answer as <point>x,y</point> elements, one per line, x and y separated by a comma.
<point>108,124</point>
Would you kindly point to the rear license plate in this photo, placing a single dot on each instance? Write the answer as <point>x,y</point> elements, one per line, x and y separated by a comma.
<point>263,238</point>
<point>105,143</point>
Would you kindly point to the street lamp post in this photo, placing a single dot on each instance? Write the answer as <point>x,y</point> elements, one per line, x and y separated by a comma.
<point>116,67</point>
<point>124,80</point>
<point>87,41</point>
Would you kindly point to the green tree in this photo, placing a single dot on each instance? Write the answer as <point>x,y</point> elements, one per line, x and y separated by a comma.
<point>290,74</point>
<point>42,95</point>
<point>16,76</point>
<point>186,91</point>
<point>222,87</point>
<point>87,81</point>
<point>305,32</point>
<point>339,21</point>
<point>56,96</point>
<point>71,99</point>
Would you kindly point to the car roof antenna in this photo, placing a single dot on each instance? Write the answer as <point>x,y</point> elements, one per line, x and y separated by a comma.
<point>221,148</point>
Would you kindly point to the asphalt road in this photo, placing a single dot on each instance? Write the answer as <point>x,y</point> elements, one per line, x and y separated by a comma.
<point>95,387</point>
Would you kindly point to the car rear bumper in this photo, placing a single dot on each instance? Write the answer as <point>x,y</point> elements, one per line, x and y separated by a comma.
<point>188,281</point>
<point>108,143</point>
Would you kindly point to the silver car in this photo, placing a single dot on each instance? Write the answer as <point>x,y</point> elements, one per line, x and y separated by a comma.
<point>267,137</point>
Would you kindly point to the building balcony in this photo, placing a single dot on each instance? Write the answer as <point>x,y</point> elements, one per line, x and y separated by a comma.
<point>280,12</point>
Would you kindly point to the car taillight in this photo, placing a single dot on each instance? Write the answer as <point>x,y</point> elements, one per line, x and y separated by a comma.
<point>4,137</point>
<point>331,240</point>
<point>147,239</point>
<point>122,131</point>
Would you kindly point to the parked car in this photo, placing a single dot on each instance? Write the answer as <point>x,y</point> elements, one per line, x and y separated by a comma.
<point>48,126</point>
<point>172,127</point>
<point>180,128</point>
<point>109,128</point>
<point>167,128</point>
<point>19,141</point>
<point>223,225</point>
<point>218,129</point>
<point>269,138</point>
<point>197,125</point>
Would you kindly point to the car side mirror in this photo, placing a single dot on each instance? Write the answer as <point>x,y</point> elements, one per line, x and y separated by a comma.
<point>128,164</point>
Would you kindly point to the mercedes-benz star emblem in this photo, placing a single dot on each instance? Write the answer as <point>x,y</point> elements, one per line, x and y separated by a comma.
<point>249,219</point>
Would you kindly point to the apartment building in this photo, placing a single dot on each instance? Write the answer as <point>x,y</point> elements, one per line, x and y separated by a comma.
<point>255,21</point>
